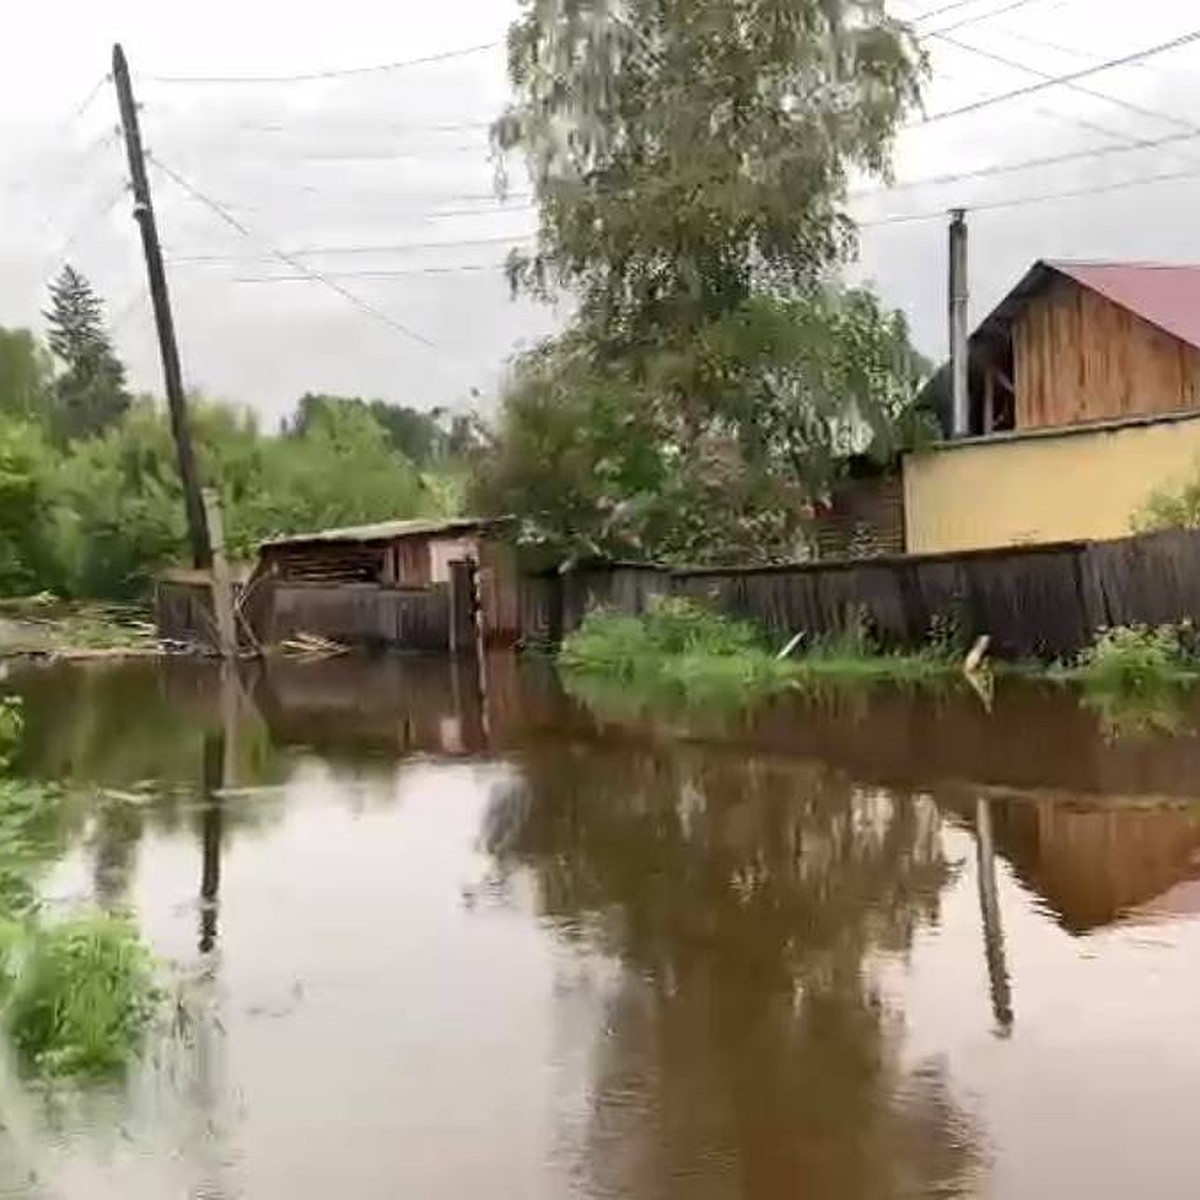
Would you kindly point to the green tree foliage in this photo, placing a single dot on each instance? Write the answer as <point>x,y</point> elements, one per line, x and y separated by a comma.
<point>123,494</point>
<point>425,438</point>
<point>812,380</point>
<point>594,462</point>
<point>25,375</point>
<point>691,164</point>
<point>90,499</point>
<point>689,156</point>
<point>342,471</point>
<point>89,393</point>
<point>25,462</point>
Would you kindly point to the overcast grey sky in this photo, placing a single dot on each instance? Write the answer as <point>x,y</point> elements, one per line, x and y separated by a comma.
<point>399,159</point>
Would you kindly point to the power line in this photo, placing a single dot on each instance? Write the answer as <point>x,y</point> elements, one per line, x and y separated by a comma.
<point>1141,111</point>
<point>464,268</point>
<point>392,248</point>
<point>979,18</point>
<point>1028,164</point>
<point>1062,80</point>
<point>89,98</point>
<point>339,73</point>
<point>316,276</point>
<point>929,13</point>
<point>1021,201</point>
<point>1054,114</point>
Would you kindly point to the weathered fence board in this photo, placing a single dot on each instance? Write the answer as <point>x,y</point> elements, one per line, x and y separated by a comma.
<point>1044,602</point>
<point>362,614</point>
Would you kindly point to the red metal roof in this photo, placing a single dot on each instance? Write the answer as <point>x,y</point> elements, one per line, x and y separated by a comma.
<point>1166,295</point>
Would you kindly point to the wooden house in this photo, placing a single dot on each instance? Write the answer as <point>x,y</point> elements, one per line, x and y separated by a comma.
<point>1084,389</point>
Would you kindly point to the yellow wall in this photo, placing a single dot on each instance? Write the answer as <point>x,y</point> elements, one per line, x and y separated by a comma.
<point>1042,488</point>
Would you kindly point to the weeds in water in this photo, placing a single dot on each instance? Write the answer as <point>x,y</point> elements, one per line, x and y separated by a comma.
<point>78,994</point>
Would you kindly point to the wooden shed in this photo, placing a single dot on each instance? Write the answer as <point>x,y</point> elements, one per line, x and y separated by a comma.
<point>384,570</point>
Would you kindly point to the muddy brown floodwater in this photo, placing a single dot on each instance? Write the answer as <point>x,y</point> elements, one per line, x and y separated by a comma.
<point>844,949</point>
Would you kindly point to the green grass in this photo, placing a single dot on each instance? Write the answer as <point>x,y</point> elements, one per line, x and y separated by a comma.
<point>680,651</point>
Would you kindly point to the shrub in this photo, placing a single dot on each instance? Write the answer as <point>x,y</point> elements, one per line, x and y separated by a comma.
<point>670,628</point>
<point>1133,658</point>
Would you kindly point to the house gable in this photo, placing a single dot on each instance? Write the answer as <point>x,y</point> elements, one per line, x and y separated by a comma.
<point>1080,357</point>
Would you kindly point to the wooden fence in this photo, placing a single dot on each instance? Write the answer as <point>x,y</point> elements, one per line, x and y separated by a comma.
<point>1042,602</point>
<point>362,614</point>
<point>1035,602</point>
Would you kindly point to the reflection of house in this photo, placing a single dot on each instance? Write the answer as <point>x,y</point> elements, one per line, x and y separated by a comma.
<point>1084,388</point>
<point>1094,864</point>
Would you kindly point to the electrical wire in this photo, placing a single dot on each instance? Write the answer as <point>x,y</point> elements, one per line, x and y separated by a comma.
<point>929,13</point>
<point>339,73</point>
<point>1028,164</point>
<point>315,276</point>
<point>89,98</point>
<point>1140,110</point>
<point>1022,201</point>
<point>1061,80</point>
<point>462,269</point>
<point>976,20</point>
<point>394,248</point>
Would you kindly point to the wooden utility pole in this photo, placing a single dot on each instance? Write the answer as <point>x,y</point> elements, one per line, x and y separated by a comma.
<point>143,213</point>
<point>222,587</point>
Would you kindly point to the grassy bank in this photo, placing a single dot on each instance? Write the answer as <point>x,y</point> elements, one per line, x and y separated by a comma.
<point>77,991</point>
<point>682,650</point>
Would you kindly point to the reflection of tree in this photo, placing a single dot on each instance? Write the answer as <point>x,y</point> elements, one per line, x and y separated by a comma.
<point>749,1051</point>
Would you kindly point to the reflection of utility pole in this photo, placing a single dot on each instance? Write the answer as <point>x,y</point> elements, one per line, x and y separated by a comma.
<point>989,904</point>
<point>220,758</point>
<point>205,1151</point>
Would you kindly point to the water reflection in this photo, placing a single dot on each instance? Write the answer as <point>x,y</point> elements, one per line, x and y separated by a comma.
<point>564,952</point>
<point>750,902</point>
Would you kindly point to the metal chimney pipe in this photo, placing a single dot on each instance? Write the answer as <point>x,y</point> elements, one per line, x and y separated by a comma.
<point>960,424</point>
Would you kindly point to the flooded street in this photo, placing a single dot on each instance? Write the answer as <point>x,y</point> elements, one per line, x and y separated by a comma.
<point>434,945</point>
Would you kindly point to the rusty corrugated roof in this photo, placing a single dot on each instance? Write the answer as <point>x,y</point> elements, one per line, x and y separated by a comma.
<point>1165,294</point>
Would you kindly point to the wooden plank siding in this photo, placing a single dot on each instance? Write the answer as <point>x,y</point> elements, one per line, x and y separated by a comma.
<point>1079,357</point>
